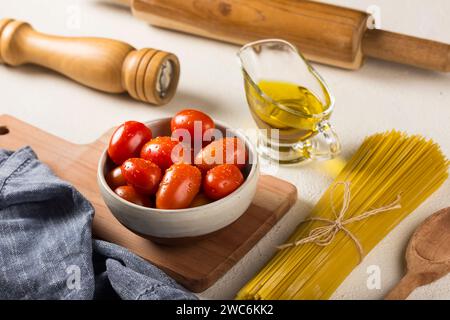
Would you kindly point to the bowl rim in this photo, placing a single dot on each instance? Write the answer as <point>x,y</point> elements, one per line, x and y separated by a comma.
<point>171,212</point>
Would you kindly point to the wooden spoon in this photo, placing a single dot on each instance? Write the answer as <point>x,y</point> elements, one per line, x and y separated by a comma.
<point>427,255</point>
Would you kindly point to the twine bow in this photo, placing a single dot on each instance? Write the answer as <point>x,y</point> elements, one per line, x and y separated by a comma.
<point>324,235</point>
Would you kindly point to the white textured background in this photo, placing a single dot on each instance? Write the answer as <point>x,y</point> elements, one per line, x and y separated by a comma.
<point>379,97</point>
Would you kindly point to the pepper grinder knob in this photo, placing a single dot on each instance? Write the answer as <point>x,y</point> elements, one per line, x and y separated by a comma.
<point>112,66</point>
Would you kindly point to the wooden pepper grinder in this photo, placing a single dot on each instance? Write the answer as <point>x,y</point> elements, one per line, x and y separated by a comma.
<point>148,75</point>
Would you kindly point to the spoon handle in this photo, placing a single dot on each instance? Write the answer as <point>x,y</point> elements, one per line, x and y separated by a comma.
<point>404,288</point>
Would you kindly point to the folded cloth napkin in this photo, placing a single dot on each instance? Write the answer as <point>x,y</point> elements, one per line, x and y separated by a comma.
<point>46,245</point>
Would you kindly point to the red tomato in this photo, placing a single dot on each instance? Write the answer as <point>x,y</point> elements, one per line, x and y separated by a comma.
<point>164,152</point>
<point>127,141</point>
<point>179,186</point>
<point>222,180</point>
<point>115,178</point>
<point>142,174</point>
<point>223,151</point>
<point>186,119</point>
<point>130,194</point>
<point>200,200</point>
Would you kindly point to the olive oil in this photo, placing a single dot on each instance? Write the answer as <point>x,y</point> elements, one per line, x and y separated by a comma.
<point>290,103</point>
<point>294,110</point>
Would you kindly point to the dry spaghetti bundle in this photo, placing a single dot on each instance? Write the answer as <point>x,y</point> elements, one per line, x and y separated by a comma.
<point>389,176</point>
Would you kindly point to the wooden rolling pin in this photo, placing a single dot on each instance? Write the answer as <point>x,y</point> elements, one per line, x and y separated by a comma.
<point>322,32</point>
<point>148,75</point>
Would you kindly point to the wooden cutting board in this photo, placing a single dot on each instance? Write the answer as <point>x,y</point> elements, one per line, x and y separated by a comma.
<point>196,266</point>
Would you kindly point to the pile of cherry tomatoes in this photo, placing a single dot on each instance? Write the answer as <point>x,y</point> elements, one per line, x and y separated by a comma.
<point>163,172</point>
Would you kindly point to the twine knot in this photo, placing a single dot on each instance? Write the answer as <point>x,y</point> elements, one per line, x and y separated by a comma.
<point>324,235</point>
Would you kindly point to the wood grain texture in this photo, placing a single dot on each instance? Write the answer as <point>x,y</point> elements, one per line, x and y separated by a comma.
<point>103,64</point>
<point>404,49</point>
<point>323,33</point>
<point>427,255</point>
<point>197,265</point>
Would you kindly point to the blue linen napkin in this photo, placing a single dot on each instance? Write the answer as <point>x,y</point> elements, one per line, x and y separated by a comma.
<point>46,245</point>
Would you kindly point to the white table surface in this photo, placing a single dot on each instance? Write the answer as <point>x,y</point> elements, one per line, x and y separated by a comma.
<point>380,97</point>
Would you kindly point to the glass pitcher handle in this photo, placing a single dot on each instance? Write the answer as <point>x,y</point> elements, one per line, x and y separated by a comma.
<point>324,145</point>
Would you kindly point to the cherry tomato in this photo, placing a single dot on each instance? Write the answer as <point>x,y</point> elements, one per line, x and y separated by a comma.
<point>222,180</point>
<point>163,151</point>
<point>186,119</point>
<point>223,151</point>
<point>200,200</point>
<point>142,174</point>
<point>130,194</point>
<point>127,141</point>
<point>179,186</point>
<point>115,178</point>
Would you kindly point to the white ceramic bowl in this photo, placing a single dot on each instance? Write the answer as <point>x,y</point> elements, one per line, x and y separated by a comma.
<point>182,223</point>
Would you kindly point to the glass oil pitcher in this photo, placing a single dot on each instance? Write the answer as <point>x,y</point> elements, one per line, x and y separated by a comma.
<point>289,101</point>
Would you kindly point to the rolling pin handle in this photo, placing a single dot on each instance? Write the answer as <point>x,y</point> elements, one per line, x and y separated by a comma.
<point>390,46</point>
